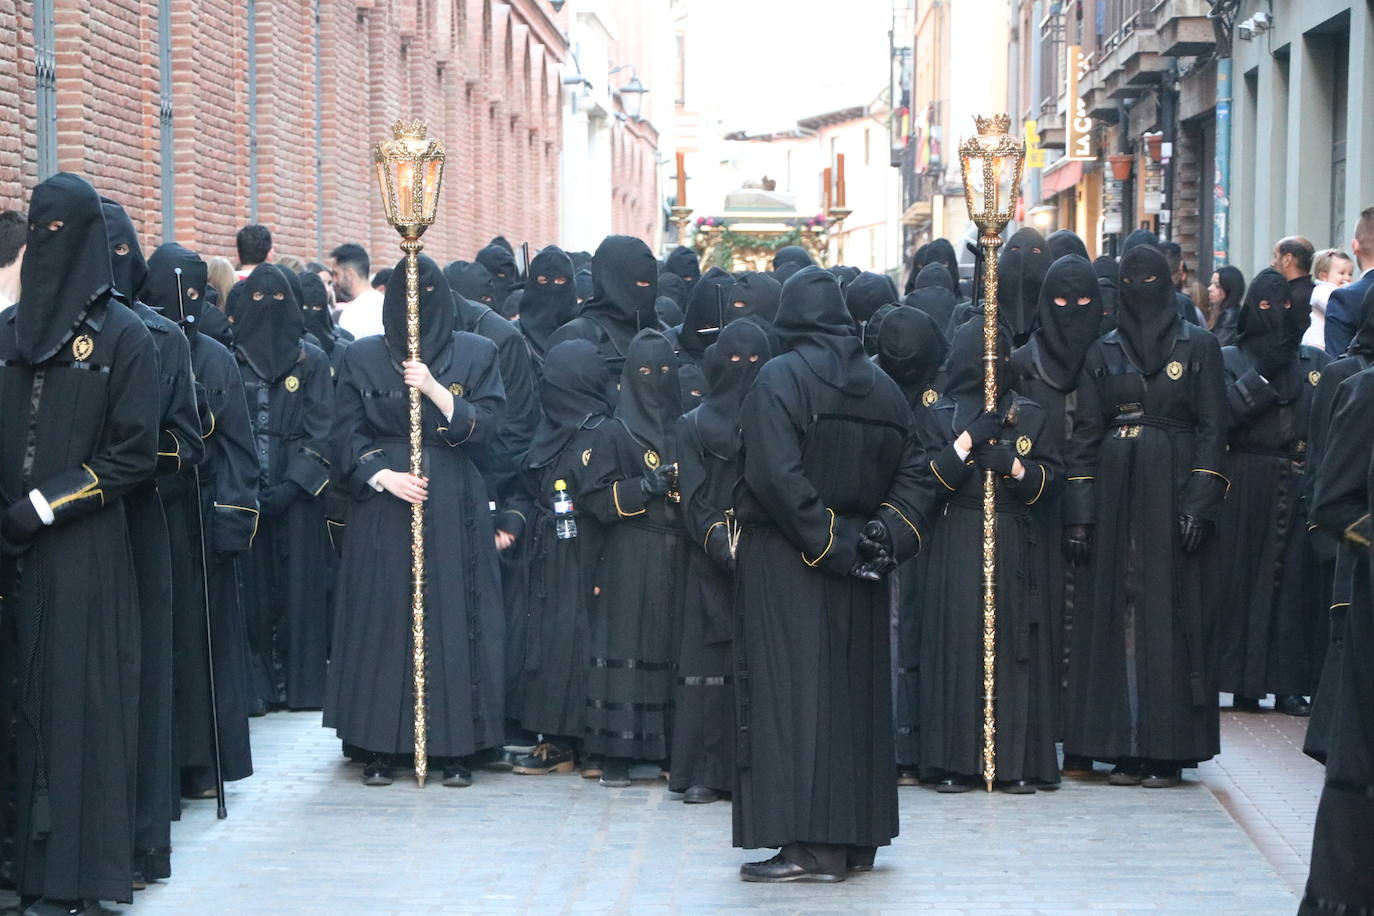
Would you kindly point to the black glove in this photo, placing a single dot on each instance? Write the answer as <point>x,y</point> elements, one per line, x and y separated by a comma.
<point>657,482</point>
<point>998,458</point>
<point>277,499</point>
<point>985,427</point>
<point>1191,532</point>
<point>875,553</point>
<point>21,522</point>
<point>718,549</point>
<point>1078,543</point>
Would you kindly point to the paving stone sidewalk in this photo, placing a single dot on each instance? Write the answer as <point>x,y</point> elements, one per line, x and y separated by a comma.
<point>305,837</point>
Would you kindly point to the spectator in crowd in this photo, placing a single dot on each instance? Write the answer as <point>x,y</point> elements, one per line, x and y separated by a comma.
<point>13,235</point>
<point>1331,270</point>
<point>362,310</point>
<point>1344,309</point>
<point>221,275</point>
<point>1178,273</point>
<point>1293,258</point>
<point>380,277</point>
<point>254,243</point>
<point>292,263</point>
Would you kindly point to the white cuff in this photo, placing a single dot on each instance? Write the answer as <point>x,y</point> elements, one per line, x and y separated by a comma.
<point>40,505</point>
<point>962,453</point>
<point>1022,475</point>
<point>372,481</point>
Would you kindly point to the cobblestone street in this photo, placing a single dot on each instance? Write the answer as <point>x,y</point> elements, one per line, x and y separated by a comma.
<point>305,837</point>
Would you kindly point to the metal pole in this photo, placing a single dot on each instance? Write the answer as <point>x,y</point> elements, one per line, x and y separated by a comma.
<point>412,246</point>
<point>990,243</point>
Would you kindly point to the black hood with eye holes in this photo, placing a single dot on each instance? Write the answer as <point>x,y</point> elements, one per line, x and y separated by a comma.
<point>268,323</point>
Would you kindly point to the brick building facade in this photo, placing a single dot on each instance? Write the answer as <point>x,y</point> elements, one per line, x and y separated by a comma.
<point>273,107</point>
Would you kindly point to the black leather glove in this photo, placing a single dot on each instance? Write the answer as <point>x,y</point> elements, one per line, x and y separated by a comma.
<point>278,498</point>
<point>657,482</point>
<point>21,522</point>
<point>1191,532</point>
<point>1078,543</point>
<point>998,458</point>
<point>985,427</point>
<point>718,549</point>
<point>875,553</point>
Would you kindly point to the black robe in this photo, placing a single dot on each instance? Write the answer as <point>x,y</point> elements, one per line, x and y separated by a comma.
<point>1270,629</point>
<point>226,521</point>
<point>812,672</point>
<point>285,602</point>
<point>1340,880</point>
<point>91,416</point>
<point>369,700</point>
<point>950,724</point>
<point>1145,450</point>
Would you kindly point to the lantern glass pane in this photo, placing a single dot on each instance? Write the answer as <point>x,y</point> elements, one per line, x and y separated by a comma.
<point>405,189</point>
<point>388,201</point>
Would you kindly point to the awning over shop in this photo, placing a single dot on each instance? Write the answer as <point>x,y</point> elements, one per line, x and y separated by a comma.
<point>1064,175</point>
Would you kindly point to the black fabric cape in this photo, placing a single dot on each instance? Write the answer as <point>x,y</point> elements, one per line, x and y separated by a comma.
<point>814,693</point>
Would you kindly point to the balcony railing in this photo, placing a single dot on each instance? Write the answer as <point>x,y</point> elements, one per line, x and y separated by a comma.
<point>1123,18</point>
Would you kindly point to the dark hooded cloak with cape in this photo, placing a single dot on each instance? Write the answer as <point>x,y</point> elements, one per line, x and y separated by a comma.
<point>1148,447</point>
<point>707,312</point>
<point>216,531</point>
<point>1271,615</point>
<point>369,700</point>
<point>1021,269</point>
<point>549,302</point>
<point>704,699</point>
<point>813,681</point>
<point>624,289</point>
<point>641,573</point>
<point>290,398</point>
<point>319,321</point>
<point>79,399</point>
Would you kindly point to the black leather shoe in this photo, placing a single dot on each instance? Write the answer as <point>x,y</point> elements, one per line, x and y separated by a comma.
<point>1161,776</point>
<point>1125,774</point>
<point>615,774</point>
<point>700,795</point>
<point>378,772</point>
<point>591,767</point>
<point>46,906</point>
<point>908,776</point>
<point>1294,706</point>
<point>954,784</point>
<point>859,860</point>
<point>1242,703</point>
<point>457,776</point>
<point>544,759</point>
<point>1017,787</point>
<point>778,869</point>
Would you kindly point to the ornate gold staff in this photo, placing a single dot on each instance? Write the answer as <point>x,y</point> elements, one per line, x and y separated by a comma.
<point>991,162</point>
<point>409,170</point>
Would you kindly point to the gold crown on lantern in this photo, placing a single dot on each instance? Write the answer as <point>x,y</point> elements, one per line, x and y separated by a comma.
<point>410,130</point>
<point>996,124</point>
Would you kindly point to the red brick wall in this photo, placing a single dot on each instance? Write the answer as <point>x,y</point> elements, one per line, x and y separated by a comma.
<point>379,60</point>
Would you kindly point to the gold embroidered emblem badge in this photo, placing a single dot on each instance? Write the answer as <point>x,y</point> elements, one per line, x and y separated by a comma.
<point>1023,446</point>
<point>83,347</point>
<point>1174,370</point>
<point>456,389</point>
<point>651,460</point>
<point>292,384</point>
<point>929,397</point>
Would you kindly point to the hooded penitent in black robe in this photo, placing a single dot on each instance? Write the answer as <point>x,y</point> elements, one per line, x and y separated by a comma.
<point>813,682</point>
<point>214,322</point>
<point>1063,242</point>
<point>934,297</point>
<point>950,720</point>
<point>1227,325</point>
<point>290,399</point>
<point>669,313</point>
<point>709,438</point>
<point>1108,280</point>
<point>1021,268</point>
<point>788,260</point>
<point>864,295</point>
<point>1335,561</point>
<point>226,519</point>
<point>179,446</point>
<point>79,401</point>
<point>1340,881</point>
<point>1148,452</point>
<point>624,288</point>
<point>754,297</point>
<point>672,286</point>
<point>550,300</point>
<point>684,262</point>
<point>499,261</point>
<point>1271,632</point>
<point>911,350</point>
<point>640,576</point>
<point>555,629</point>
<point>1046,370</point>
<point>319,321</point>
<point>369,700</point>
<point>707,305</point>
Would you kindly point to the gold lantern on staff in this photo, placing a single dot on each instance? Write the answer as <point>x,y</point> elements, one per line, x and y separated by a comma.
<point>410,168</point>
<point>991,162</point>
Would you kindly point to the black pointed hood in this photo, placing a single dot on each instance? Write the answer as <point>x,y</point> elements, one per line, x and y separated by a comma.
<point>867,293</point>
<point>650,394</point>
<point>1066,242</point>
<point>756,295</point>
<point>501,242</point>
<point>707,305</point>
<point>941,252</point>
<point>1137,238</point>
<point>438,319</point>
<point>505,276</point>
<point>65,271</point>
<point>936,301</point>
<point>1147,318</point>
<point>315,306</point>
<point>550,299</point>
<point>1269,320</point>
<point>684,262</point>
<point>178,297</point>
<point>936,275</point>
<point>788,260</point>
<point>127,263</point>
<point>472,281</point>
<point>574,391</point>
<point>1108,282</point>
<point>814,323</point>
<point>1021,268</point>
<point>1070,319</point>
<point>268,323</point>
<point>730,366</point>
<point>668,311</point>
<point>911,348</point>
<point>964,376</point>
<point>673,287</point>
<point>620,265</point>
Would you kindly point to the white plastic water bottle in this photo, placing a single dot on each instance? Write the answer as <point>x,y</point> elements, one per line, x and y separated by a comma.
<point>564,523</point>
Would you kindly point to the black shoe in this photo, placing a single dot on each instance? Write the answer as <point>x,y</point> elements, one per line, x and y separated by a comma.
<point>591,767</point>
<point>47,906</point>
<point>1017,787</point>
<point>953,784</point>
<point>700,795</point>
<point>457,776</point>
<point>1158,775</point>
<point>1294,706</point>
<point>1126,773</point>
<point>908,776</point>
<point>1242,703</point>
<point>857,860</point>
<point>778,869</point>
<point>378,772</point>
<point>615,774</point>
<point>1077,767</point>
<point>544,759</point>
